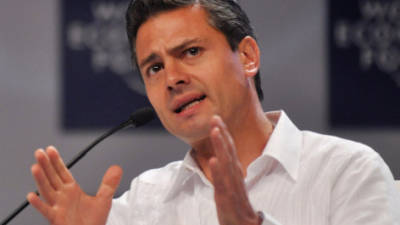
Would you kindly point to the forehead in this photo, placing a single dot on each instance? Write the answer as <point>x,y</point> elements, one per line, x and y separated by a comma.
<point>174,26</point>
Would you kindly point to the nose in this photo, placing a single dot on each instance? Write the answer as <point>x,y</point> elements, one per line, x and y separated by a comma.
<point>176,77</point>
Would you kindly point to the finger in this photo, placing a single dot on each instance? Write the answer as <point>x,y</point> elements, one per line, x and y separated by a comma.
<point>220,146</point>
<point>48,169</point>
<point>217,176</point>
<point>59,165</point>
<point>110,183</point>
<point>218,122</point>
<point>226,152</point>
<point>45,189</point>
<point>226,176</point>
<point>38,204</point>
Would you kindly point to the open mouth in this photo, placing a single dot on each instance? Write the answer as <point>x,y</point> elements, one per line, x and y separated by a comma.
<point>190,104</point>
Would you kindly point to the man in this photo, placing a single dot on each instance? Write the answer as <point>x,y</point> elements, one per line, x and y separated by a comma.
<point>199,62</point>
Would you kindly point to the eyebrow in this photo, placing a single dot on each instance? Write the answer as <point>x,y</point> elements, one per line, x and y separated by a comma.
<point>183,45</point>
<point>174,49</point>
<point>148,59</point>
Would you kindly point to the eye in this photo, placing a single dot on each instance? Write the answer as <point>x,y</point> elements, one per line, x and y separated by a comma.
<point>153,69</point>
<point>193,51</point>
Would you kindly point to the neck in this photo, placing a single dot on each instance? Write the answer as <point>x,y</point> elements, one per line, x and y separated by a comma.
<point>250,132</point>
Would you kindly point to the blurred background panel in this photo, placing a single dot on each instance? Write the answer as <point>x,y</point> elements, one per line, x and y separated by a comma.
<point>65,76</point>
<point>99,84</point>
<point>364,64</point>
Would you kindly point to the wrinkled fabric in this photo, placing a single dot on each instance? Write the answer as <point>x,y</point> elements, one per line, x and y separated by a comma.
<point>301,178</point>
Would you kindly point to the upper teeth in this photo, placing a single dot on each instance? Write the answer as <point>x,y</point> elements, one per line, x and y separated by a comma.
<point>191,104</point>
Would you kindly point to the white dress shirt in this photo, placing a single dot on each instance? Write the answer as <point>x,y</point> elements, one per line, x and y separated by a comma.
<point>301,178</point>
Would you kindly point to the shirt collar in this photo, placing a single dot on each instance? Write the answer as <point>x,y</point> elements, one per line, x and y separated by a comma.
<point>285,143</point>
<point>187,169</point>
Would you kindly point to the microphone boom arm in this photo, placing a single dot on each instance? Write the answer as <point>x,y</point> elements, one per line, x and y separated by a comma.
<point>138,118</point>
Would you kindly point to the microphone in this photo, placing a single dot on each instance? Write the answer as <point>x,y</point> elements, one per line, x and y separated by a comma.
<point>138,118</point>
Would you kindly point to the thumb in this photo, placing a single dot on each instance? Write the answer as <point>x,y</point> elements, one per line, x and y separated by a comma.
<point>110,183</point>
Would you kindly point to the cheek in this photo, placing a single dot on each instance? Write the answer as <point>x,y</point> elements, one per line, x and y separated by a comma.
<point>159,103</point>
<point>161,111</point>
<point>154,97</point>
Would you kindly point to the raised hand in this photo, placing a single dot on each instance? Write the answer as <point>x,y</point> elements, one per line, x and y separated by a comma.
<point>230,194</point>
<point>63,201</point>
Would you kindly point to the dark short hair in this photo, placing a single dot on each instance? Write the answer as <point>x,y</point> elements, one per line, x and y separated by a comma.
<point>225,15</point>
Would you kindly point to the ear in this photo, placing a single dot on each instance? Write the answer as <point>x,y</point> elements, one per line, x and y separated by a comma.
<point>249,56</point>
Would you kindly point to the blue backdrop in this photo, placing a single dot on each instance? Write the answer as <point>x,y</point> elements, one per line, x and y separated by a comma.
<point>100,86</point>
<point>364,63</point>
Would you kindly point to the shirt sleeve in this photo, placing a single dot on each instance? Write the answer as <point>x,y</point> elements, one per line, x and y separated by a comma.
<point>120,208</point>
<point>365,193</point>
<point>118,211</point>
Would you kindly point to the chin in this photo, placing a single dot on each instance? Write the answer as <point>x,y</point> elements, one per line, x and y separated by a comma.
<point>193,134</point>
<point>191,129</point>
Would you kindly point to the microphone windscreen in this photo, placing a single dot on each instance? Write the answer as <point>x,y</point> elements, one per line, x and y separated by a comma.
<point>142,116</point>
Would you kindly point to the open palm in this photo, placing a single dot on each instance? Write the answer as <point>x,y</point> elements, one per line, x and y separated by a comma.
<point>63,201</point>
